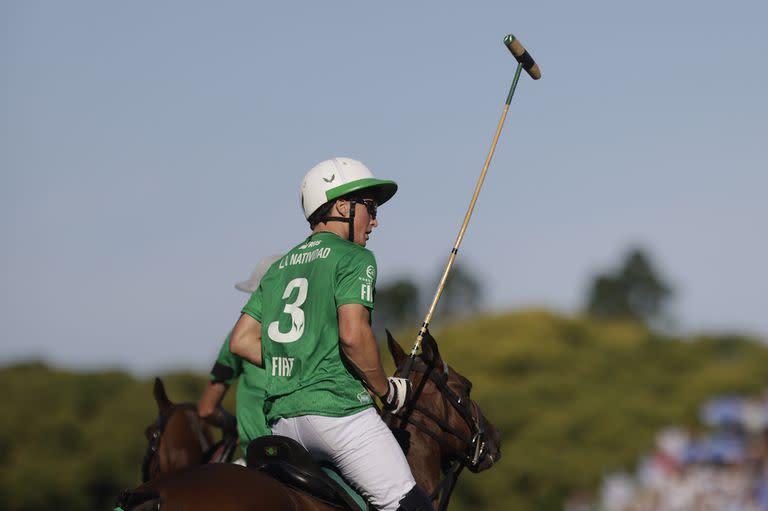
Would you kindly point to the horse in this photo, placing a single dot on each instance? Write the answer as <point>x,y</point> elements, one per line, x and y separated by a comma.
<point>179,438</point>
<point>441,430</point>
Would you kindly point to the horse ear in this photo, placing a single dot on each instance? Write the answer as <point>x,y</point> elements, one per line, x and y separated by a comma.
<point>394,348</point>
<point>430,350</point>
<point>161,398</point>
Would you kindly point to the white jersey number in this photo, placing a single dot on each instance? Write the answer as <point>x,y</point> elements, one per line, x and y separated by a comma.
<point>294,309</point>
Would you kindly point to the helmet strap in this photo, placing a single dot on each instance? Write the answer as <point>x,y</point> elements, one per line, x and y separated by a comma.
<point>352,208</point>
<point>350,220</point>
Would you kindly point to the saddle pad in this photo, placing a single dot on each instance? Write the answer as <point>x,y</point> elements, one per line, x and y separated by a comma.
<point>359,500</point>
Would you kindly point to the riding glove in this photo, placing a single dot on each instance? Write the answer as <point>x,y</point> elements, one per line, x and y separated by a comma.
<point>398,392</point>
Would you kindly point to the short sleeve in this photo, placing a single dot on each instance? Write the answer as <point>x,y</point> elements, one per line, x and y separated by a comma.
<point>356,279</point>
<point>254,306</point>
<point>227,367</point>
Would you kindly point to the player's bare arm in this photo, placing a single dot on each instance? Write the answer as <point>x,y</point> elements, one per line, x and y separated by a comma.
<point>210,410</point>
<point>359,346</point>
<point>245,340</point>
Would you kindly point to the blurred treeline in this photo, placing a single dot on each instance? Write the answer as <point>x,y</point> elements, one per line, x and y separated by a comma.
<point>574,397</point>
<point>72,441</point>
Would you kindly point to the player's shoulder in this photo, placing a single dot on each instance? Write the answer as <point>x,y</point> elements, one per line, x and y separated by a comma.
<point>353,251</point>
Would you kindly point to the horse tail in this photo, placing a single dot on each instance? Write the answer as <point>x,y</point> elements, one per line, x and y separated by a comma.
<point>137,501</point>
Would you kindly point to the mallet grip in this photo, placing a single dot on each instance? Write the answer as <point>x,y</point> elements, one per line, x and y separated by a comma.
<point>522,56</point>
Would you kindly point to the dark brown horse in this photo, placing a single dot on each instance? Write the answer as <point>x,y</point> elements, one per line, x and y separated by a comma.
<point>441,430</point>
<point>179,438</point>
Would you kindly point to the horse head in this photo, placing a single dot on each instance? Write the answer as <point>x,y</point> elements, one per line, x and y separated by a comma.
<point>177,439</point>
<point>446,428</point>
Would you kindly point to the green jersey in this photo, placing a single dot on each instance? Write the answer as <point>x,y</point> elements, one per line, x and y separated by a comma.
<point>249,400</point>
<point>296,303</point>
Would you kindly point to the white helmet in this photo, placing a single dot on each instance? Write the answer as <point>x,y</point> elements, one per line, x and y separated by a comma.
<point>250,285</point>
<point>334,178</point>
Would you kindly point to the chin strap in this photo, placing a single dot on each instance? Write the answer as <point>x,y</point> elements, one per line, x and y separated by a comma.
<point>350,220</point>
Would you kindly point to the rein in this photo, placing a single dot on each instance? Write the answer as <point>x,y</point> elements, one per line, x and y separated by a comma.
<point>467,410</point>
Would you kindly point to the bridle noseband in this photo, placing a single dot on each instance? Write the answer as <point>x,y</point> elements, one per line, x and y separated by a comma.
<point>467,409</point>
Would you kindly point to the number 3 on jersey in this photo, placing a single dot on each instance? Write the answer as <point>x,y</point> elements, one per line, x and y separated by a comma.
<point>294,309</point>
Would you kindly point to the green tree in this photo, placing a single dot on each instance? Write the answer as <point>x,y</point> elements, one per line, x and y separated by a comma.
<point>401,303</point>
<point>635,291</point>
<point>463,293</point>
<point>397,304</point>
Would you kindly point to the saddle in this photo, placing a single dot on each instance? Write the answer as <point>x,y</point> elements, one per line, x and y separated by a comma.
<point>290,463</point>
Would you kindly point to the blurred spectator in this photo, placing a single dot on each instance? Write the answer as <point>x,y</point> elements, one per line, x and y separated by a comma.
<point>617,492</point>
<point>725,470</point>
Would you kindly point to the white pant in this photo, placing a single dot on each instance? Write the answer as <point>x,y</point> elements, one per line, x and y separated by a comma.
<point>361,447</point>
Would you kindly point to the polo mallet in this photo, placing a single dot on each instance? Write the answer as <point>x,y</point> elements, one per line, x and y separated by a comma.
<point>524,61</point>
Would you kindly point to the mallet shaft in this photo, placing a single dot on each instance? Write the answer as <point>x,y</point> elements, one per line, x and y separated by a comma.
<point>464,224</point>
<point>525,61</point>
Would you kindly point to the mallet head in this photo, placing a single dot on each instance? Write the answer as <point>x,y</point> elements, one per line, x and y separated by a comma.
<point>522,56</point>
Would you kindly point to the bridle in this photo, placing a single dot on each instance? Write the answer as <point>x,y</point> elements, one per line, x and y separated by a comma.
<point>154,444</point>
<point>475,452</point>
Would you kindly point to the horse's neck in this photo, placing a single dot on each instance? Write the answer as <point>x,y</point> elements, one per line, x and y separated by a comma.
<point>425,460</point>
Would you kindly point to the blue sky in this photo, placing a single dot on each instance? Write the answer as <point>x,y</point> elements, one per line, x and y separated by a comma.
<point>151,152</point>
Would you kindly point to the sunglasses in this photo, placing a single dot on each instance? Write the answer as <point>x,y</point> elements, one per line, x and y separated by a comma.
<point>371,206</point>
